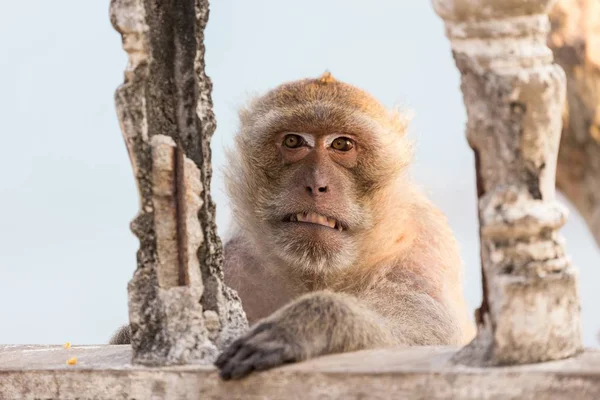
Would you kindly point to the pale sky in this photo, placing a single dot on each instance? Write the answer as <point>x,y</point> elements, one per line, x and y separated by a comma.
<point>67,191</point>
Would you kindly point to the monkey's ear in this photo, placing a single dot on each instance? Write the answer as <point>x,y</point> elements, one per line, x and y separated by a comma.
<point>400,118</point>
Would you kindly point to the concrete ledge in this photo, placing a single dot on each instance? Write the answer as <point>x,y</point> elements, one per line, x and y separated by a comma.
<point>105,372</point>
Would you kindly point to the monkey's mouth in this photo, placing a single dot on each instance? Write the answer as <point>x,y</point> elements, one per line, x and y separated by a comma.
<point>314,218</point>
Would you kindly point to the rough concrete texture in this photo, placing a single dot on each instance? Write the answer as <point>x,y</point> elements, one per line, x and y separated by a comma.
<point>575,41</point>
<point>514,95</point>
<point>179,309</point>
<point>104,372</point>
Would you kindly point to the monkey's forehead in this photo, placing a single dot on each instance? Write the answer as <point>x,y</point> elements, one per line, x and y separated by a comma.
<point>323,90</point>
<point>321,105</point>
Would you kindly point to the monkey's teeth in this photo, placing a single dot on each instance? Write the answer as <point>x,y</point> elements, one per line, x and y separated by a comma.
<point>315,218</point>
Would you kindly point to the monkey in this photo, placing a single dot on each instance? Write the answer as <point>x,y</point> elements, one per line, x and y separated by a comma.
<point>333,248</point>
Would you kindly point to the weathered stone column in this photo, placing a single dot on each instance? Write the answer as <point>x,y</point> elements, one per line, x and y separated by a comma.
<point>514,95</point>
<point>179,309</point>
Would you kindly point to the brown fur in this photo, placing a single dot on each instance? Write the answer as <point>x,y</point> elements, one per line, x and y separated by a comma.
<point>394,278</point>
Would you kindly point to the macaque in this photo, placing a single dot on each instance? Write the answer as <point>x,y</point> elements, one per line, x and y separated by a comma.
<point>333,248</point>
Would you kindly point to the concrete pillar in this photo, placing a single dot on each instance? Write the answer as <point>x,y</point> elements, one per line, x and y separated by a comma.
<point>514,95</point>
<point>179,309</point>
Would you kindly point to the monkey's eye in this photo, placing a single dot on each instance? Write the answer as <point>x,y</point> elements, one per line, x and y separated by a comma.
<point>342,144</point>
<point>292,141</point>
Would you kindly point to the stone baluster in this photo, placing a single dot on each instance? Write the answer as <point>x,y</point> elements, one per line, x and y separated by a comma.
<point>514,95</point>
<point>179,309</point>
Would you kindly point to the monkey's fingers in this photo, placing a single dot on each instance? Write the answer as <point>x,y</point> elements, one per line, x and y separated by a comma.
<point>233,348</point>
<point>229,352</point>
<point>232,361</point>
<point>236,371</point>
<point>236,365</point>
<point>239,366</point>
<point>260,360</point>
<point>265,347</point>
<point>274,359</point>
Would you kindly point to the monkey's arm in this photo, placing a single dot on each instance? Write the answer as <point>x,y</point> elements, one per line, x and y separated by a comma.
<point>315,324</point>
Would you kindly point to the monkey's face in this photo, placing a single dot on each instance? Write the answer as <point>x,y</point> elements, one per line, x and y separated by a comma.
<point>308,165</point>
<point>314,213</point>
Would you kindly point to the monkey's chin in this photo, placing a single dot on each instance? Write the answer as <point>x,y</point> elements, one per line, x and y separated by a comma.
<point>312,247</point>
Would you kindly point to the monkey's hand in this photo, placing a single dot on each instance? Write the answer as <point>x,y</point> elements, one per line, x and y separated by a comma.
<point>267,345</point>
<point>315,324</point>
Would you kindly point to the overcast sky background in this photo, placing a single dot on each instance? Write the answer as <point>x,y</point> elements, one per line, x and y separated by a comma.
<point>67,192</point>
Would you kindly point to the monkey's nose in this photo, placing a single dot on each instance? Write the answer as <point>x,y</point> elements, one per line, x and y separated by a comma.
<point>316,189</point>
